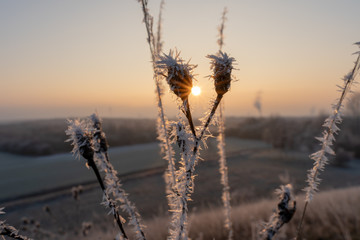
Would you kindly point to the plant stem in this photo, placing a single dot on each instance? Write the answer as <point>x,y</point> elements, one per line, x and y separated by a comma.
<point>188,116</point>
<point>329,132</point>
<point>224,174</point>
<point>213,110</point>
<point>190,171</point>
<point>111,204</point>
<point>6,231</point>
<point>299,231</point>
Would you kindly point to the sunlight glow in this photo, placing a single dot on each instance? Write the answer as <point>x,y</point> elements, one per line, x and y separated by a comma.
<point>196,91</point>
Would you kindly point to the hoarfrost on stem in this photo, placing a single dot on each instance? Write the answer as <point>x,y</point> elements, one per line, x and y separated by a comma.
<point>284,213</point>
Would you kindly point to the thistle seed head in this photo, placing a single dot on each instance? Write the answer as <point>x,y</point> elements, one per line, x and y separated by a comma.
<point>99,139</point>
<point>222,65</point>
<point>178,74</point>
<point>80,136</point>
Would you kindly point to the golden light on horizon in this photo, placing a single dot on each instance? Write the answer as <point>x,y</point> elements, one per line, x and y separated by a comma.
<point>196,90</point>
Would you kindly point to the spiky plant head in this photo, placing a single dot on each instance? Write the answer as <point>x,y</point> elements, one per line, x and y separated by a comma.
<point>222,66</point>
<point>178,73</point>
<point>80,135</point>
<point>99,139</point>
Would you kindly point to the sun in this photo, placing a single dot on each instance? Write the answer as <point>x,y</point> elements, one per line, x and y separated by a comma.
<point>196,91</point>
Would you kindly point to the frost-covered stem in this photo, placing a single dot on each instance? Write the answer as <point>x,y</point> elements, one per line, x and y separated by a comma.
<point>110,203</point>
<point>283,215</point>
<point>113,187</point>
<point>319,157</point>
<point>148,20</point>
<point>112,182</point>
<point>10,231</point>
<point>206,125</point>
<point>224,174</point>
<point>221,29</point>
<point>185,179</point>
<point>179,206</point>
<point>162,121</point>
<point>159,27</point>
<point>191,168</point>
<point>221,146</point>
<point>183,199</point>
<point>83,145</point>
<point>188,116</point>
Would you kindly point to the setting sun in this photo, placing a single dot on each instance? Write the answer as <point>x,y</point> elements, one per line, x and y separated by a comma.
<point>196,91</point>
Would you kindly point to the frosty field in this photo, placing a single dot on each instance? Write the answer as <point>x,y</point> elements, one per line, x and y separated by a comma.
<point>28,175</point>
<point>255,169</point>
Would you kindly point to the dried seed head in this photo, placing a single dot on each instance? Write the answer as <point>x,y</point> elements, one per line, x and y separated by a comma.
<point>80,135</point>
<point>99,139</point>
<point>283,215</point>
<point>86,227</point>
<point>178,74</point>
<point>222,65</point>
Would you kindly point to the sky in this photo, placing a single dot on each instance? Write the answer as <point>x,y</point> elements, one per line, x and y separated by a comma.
<point>61,59</point>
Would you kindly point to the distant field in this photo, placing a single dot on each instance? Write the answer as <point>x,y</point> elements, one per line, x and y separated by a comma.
<point>257,165</point>
<point>25,175</point>
<point>22,175</point>
<point>47,137</point>
<point>255,171</point>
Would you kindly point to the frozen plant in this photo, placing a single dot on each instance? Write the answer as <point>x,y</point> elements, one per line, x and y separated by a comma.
<point>155,46</point>
<point>10,231</point>
<point>223,169</point>
<point>89,141</point>
<point>327,139</point>
<point>112,182</point>
<point>178,75</point>
<point>285,212</point>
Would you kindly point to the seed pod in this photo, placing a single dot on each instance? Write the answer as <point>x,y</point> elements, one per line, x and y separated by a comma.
<point>221,64</point>
<point>178,74</point>
<point>180,83</point>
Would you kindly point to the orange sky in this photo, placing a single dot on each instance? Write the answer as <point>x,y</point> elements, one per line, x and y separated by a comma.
<point>67,59</point>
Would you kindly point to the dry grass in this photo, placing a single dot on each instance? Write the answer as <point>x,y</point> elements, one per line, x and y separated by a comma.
<point>333,214</point>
